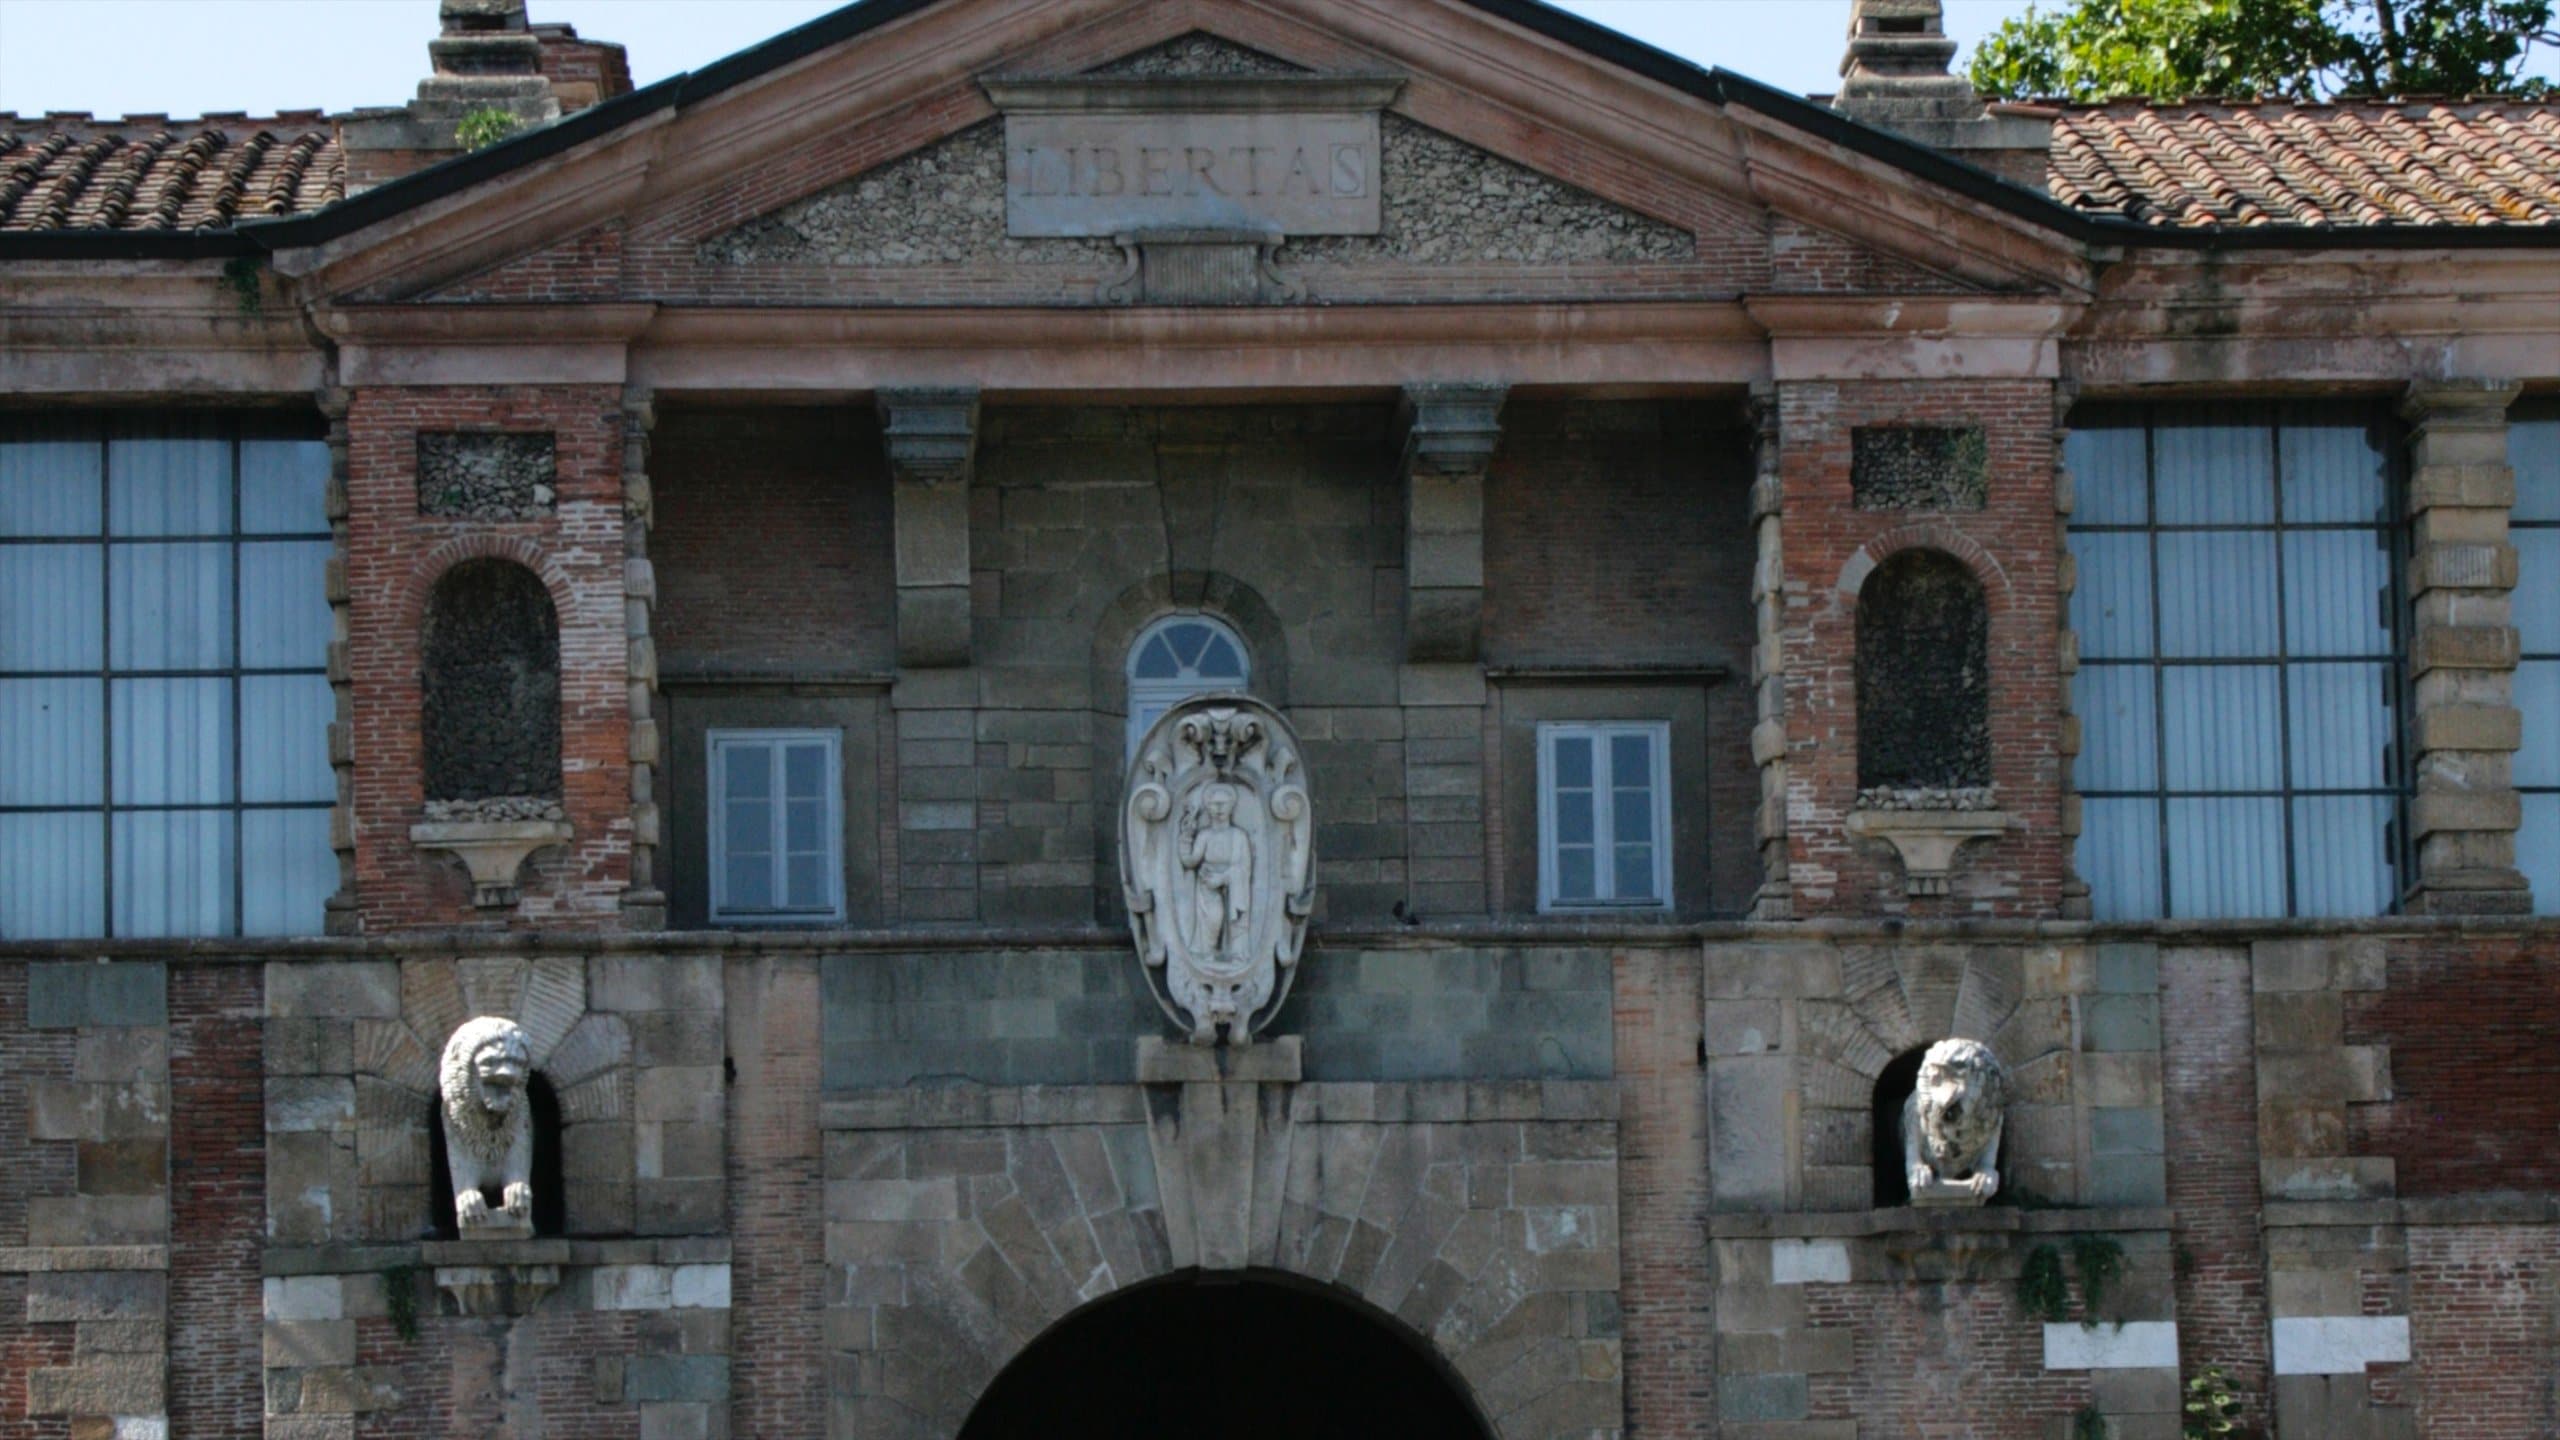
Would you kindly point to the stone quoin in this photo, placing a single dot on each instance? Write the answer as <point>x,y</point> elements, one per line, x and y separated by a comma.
<point>1324,717</point>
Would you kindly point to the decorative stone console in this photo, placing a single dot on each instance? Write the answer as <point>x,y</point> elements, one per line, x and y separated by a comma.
<point>493,851</point>
<point>1927,840</point>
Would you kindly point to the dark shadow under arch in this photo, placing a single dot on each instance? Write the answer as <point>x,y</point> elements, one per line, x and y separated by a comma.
<point>1256,1356</point>
<point>1894,1084</point>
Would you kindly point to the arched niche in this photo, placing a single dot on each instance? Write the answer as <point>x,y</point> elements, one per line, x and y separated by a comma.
<point>550,1193</point>
<point>1256,1355</point>
<point>490,685</point>
<point>1923,676</point>
<point>1894,1084</point>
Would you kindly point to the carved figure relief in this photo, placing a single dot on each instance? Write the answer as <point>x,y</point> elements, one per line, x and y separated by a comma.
<point>1951,1125</point>
<point>488,1127</point>
<point>1217,860</point>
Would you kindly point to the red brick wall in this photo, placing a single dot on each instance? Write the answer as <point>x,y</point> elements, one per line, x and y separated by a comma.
<point>2471,1024</point>
<point>777,1182</point>
<point>1666,1293</point>
<point>217,1197</point>
<point>773,541</point>
<point>473,1377</point>
<point>1619,533</point>
<point>2010,545</point>
<point>394,557</point>
<point>1941,1360</point>
<point>2484,1328</point>
<point>27,1169</point>
<point>2209,1085</point>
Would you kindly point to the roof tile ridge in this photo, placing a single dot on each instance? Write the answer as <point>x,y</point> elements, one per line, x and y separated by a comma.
<point>2215,139</point>
<point>2418,171</point>
<point>180,183</point>
<point>139,158</point>
<point>2309,141</point>
<point>64,193</point>
<point>285,187</point>
<point>2481,164</point>
<point>2395,204</point>
<point>2304,176</point>
<point>2198,172</point>
<point>2131,167</point>
<point>2113,195</point>
<point>235,176</point>
<point>28,169</point>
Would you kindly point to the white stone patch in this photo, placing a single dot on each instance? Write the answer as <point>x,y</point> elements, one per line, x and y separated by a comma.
<point>306,1297</point>
<point>2134,1345</point>
<point>2340,1344</point>
<point>634,1287</point>
<point>1809,1262</point>
<point>662,1287</point>
<point>142,1427</point>
<point>701,1287</point>
<point>1561,1227</point>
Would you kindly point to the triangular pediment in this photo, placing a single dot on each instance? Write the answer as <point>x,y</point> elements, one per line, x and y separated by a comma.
<point>874,171</point>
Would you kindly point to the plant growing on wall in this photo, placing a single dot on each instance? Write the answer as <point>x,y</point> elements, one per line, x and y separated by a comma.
<point>485,126</point>
<point>2100,1262</point>
<point>2212,1409</point>
<point>2042,1290</point>
<point>400,1300</point>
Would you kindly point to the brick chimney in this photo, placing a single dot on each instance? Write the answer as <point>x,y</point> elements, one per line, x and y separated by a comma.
<point>1897,75</point>
<point>486,56</point>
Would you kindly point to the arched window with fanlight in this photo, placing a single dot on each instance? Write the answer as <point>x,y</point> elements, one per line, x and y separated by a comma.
<point>1176,658</point>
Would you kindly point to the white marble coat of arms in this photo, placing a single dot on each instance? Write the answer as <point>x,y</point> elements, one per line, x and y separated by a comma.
<point>1217,858</point>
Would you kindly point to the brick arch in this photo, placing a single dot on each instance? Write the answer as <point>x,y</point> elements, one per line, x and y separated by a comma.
<point>1899,999</point>
<point>1928,535</point>
<point>419,585</point>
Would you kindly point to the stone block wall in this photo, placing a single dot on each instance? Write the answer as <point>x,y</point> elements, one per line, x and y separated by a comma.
<point>1617,1187</point>
<point>1074,1016</point>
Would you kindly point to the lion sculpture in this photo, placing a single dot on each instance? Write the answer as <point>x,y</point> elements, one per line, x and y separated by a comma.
<point>1951,1125</point>
<point>488,1127</point>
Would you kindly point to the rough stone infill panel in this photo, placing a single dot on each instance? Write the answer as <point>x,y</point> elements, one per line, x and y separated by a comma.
<point>1194,56</point>
<point>1923,682</point>
<point>480,475</point>
<point>1918,467</point>
<point>942,205</point>
<point>1449,203</point>
<point>491,688</point>
<point>951,1250</point>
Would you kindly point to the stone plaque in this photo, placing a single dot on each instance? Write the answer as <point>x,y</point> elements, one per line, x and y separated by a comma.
<point>1096,158</point>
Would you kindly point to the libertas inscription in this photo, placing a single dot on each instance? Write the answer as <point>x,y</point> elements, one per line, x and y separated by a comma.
<point>1297,155</point>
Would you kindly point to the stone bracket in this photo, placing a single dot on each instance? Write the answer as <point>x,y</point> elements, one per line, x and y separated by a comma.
<point>1450,433</point>
<point>487,1290</point>
<point>1201,267</point>
<point>1927,840</point>
<point>492,850</point>
<point>1219,1124</point>
<point>931,436</point>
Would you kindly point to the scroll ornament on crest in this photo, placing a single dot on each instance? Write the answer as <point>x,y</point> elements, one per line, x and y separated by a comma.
<point>1217,860</point>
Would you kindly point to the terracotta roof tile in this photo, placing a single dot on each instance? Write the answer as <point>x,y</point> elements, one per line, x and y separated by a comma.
<point>70,172</point>
<point>2209,164</point>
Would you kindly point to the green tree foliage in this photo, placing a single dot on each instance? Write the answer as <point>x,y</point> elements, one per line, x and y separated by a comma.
<point>2287,49</point>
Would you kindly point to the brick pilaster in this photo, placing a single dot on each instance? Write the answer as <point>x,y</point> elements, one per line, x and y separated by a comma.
<point>2462,651</point>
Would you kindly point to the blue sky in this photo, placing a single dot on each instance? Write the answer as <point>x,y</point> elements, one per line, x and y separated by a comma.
<point>184,57</point>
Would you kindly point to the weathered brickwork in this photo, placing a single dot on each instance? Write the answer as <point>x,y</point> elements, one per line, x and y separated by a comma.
<point>218,1197</point>
<point>395,556</point>
<point>2474,1081</point>
<point>1831,547</point>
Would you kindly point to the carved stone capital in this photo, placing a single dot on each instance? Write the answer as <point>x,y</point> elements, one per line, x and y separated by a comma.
<point>492,850</point>
<point>931,436</point>
<point>1450,434</point>
<point>1927,840</point>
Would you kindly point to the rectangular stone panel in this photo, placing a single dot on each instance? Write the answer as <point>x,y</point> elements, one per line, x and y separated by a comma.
<point>1102,175</point>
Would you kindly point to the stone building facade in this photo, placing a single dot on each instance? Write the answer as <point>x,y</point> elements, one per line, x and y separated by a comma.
<point>1758,587</point>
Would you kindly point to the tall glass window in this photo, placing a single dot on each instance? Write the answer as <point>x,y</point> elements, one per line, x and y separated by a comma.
<point>1176,658</point>
<point>164,701</point>
<point>2240,641</point>
<point>2533,445</point>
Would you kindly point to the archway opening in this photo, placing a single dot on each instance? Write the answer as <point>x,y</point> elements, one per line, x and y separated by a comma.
<point>1894,1085</point>
<point>1255,1357</point>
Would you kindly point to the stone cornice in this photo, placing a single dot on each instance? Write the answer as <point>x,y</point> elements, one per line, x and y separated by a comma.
<point>1881,338</point>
